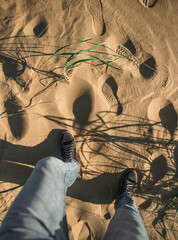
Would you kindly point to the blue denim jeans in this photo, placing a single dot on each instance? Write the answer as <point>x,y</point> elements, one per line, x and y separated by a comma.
<point>38,212</point>
<point>127,223</point>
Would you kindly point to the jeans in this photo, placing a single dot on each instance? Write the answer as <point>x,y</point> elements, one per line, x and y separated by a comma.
<point>127,223</point>
<point>38,212</point>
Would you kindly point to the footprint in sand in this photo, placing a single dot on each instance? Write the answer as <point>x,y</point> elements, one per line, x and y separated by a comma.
<point>82,230</point>
<point>19,123</point>
<point>15,70</point>
<point>130,46</point>
<point>80,101</point>
<point>157,171</point>
<point>12,68</point>
<point>38,27</point>
<point>109,88</point>
<point>16,76</point>
<point>145,63</point>
<point>148,68</point>
<point>94,7</point>
<point>83,103</point>
<point>82,108</point>
<point>133,57</point>
<point>148,3</point>
<point>122,50</point>
<point>162,111</point>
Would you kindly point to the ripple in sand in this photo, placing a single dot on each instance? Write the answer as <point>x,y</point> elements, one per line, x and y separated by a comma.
<point>162,110</point>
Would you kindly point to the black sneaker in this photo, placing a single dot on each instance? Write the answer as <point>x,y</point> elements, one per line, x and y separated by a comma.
<point>128,182</point>
<point>67,146</point>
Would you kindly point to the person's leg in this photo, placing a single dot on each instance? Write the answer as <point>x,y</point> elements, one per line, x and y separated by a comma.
<point>126,223</point>
<point>38,212</point>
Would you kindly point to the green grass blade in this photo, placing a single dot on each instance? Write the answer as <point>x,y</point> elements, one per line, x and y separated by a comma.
<point>86,50</point>
<point>11,189</point>
<point>173,203</point>
<point>85,60</point>
<point>58,50</point>
<point>91,48</point>
<point>164,220</point>
<point>96,58</point>
<point>100,44</point>
<point>13,114</point>
<point>168,201</point>
<point>2,214</point>
<point>174,219</point>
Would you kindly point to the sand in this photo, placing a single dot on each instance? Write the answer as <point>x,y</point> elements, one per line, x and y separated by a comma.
<point>120,118</point>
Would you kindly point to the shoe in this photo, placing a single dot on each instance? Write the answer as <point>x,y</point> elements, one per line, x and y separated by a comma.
<point>148,3</point>
<point>128,182</point>
<point>67,146</point>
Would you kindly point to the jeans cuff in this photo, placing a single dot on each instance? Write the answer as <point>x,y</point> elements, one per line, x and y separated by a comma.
<point>124,198</point>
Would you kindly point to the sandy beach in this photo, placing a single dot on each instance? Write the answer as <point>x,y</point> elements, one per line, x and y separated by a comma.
<point>106,71</point>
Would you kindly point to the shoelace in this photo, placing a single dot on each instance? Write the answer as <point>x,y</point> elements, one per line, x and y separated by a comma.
<point>129,186</point>
<point>68,151</point>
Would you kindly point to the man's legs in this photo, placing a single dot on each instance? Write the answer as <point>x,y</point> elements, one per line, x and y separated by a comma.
<point>38,212</point>
<point>126,223</point>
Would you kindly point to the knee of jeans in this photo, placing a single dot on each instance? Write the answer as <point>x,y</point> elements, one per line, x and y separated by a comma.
<point>48,162</point>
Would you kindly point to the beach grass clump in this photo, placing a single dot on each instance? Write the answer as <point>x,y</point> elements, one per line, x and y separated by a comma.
<point>166,210</point>
<point>89,54</point>
<point>86,55</point>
